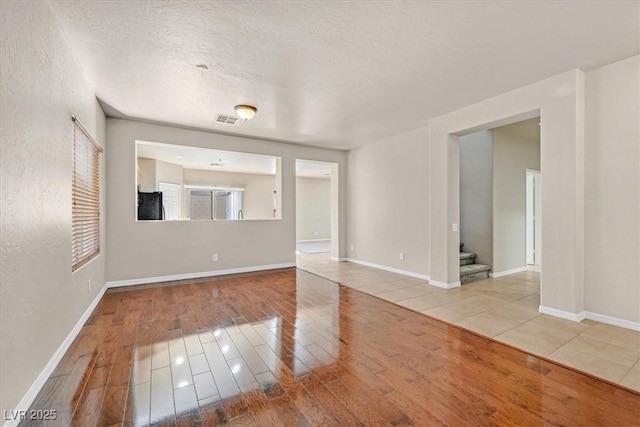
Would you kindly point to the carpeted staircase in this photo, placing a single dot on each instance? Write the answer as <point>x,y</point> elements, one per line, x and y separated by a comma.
<point>469,270</point>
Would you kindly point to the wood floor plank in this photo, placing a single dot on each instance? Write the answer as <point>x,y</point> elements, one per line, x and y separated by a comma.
<point>225,382</point>
<point>88,409</point>
<point>205,385</point>
<point>113,405</point>
<point>362,408</point>
<point>138,409</point>
<point>309,406</point>
<point>181,375</point>
<point>162,403</point>
<point>212,413</point>
<point>186,406</point>
<point>262,408</point>
<point>289,348</point>
<point>329,401</point>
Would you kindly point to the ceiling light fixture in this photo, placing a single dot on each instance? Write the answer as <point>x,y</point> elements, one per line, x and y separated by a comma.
<point>246,112</point>
<point>218,164</point>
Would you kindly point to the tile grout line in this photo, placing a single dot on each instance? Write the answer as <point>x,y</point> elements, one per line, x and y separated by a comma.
<point>518,282</point>
<point>629,371</point>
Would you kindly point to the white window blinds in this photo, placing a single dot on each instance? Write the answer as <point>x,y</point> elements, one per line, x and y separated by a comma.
<point>85,227</point>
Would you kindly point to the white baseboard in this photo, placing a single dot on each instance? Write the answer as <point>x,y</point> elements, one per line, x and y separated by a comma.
<point>391,269</point>
<point>199,275</point>
<point>37,385</point>
<point>576,317</point>
<point>445,285</point>
<point>507,272</point>
<point>46,372</point>
<point>403,272</point>
<point>313,240</point>
<point>602,318</point>
<point>627,324</point>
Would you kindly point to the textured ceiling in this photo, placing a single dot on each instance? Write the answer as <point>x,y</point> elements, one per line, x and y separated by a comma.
<point>332,74</point>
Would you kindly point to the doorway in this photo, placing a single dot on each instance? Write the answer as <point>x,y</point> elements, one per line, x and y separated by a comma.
<point>562,160</point>
<point>316,209</point>
<point>494,175</point>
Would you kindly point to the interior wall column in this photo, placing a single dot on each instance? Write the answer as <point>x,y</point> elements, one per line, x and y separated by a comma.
<point>559,101</point>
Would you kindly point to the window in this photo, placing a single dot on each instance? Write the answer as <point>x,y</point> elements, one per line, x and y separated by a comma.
<point>183,182</point>
<point>215,203</point>
<point>85,196</point>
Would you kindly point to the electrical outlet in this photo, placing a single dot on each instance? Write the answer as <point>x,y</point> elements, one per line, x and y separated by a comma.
<point>315,233</point>
<point>89,285</point>
<point>401,256</point>
<point>454,227</point>
<point>215,257</point>
<point>351,247</point>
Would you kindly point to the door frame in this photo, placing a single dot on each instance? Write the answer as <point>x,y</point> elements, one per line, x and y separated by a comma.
<point>559,102</point>
<point>533,234</point>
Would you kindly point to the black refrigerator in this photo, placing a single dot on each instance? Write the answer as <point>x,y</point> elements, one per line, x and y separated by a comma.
<point>150,206</point>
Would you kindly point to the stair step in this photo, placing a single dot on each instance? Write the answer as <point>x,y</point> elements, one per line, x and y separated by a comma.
<point>467,255</point>
<point>467,258</point>
<point>473,272</point>
<point>473,268</point>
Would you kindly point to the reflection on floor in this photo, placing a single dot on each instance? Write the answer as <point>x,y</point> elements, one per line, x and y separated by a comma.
<point>288,348</point>
<point>505,309</point>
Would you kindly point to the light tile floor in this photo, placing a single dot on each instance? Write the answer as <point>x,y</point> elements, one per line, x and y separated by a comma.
<point>505,309</point>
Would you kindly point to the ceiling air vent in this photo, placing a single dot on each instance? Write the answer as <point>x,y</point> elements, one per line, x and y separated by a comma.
<point>230,120</point>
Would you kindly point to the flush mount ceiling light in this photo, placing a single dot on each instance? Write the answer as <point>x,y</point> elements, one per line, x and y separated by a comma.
<point>246,112</point>
<point>220,163</point>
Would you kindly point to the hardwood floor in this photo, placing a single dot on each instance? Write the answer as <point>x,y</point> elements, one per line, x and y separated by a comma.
<point>288,348</point>
<point>505,309</point>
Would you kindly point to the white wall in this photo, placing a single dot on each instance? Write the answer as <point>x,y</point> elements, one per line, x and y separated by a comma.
<point>476,195</point>
<point>152,172</point>
<point>516,148</point>
<point>590,198</point>
<point>147,175</point>
<point>168,172</point>
<point>257,197</point>
<point>389,202</point>
<point>559,101</point>
<point>313,209</point>
<point>185,247</point>
<point>403,195</point>
<point>612,190</point>
<point>42,85</point>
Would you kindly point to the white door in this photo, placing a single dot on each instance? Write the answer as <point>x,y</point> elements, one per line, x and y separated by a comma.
<point>171,199</point>
<point>533,217</point>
